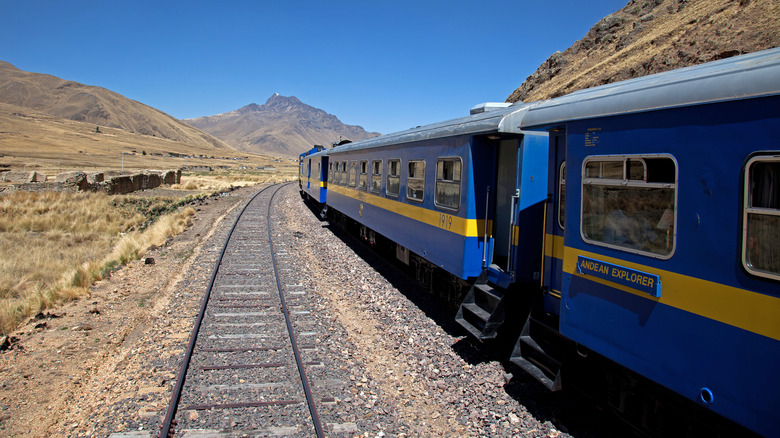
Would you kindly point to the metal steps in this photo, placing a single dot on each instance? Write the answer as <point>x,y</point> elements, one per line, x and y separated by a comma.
<point>482,311</point>
<point>540,351</point>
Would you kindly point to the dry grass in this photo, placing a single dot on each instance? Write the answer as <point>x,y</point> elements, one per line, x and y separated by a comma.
<point>53,246</point>
<point>209,182</point>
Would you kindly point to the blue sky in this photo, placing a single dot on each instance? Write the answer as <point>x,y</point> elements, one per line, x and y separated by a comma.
<point>386,66</point>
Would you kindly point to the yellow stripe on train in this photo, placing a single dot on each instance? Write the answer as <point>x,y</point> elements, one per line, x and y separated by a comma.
<point>751,311</point>
<point>440,219</point>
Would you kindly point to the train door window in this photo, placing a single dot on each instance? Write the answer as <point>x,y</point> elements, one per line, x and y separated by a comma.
<point>393,178</point>
<point>630,203</point>
<point>319,170</point>
<point>376,176</point>
<point>363,175</point>
<point>343,180</point>
<point>415,181</point>
<point>561,194</point>
<point>448,172</point>
<point>761,217</point>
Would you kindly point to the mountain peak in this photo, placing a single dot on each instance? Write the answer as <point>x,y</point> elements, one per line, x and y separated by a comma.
<point>283,125</point>
<point>278,99</point>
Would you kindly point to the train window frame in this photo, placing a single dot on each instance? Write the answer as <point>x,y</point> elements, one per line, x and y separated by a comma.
<point>396,178</point>
<point>750,209</point>
<point>415,180</point>
<point>656,229</point>
<point>343,174</point>
<point>561,194</point>
<point>376,176</point>
<point>448,182</point>
<point>363,179</point>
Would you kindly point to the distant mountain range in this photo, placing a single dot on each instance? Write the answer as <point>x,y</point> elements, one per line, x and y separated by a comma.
<point>283,125</point>
<point>95,105</point>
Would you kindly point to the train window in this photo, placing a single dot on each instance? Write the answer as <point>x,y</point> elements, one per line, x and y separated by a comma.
<point>630,202</point>
<point>352,174</point>
<point>376,176</point>
<point>448,183</point>
<point>415,181</point>
<point>343,177</point>
<point>393,178</point>
<point>761,217</point>
<point>363,175</point>
<point>561,194</point>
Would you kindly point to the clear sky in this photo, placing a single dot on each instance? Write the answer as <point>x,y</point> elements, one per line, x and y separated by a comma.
<point>384,65</point>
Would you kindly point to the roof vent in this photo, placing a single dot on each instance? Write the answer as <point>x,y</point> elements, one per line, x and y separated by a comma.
<point>488,106</point>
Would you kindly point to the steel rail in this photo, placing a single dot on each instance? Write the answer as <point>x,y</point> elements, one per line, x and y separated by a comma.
<point>309,398</point>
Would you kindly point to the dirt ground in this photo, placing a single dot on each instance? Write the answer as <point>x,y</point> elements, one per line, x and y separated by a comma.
<point>67,371</point>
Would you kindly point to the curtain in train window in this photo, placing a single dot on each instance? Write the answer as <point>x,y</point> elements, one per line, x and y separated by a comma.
<point>761,239</point>
<point>352,175</point>
<point>393,177</point>
<point>415,181</point>
<point>448,183</point>
<point>376,176</point>
<point>363,175</point>
<point>629,202</point>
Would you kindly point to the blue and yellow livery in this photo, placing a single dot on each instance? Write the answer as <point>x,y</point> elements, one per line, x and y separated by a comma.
<point>632,230</point>
<point>662,248</point>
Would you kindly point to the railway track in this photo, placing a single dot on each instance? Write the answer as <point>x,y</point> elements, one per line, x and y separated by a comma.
<point>251,355</point>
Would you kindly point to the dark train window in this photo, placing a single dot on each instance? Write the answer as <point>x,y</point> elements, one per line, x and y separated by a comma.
<point>352,174</point>
<point>448,173</point>
<point>363,175</point>
<point>393,178</point>
<point>343,178</point>
<point>761,216</point>
<point>561,194</point>
<point>415,181</point>
<point>630,202</point>
<point>376,176</point>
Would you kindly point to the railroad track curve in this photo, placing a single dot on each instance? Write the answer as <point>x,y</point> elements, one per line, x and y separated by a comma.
<point>243,372</point>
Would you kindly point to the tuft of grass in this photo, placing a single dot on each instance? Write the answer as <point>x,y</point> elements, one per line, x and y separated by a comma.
<point>54,246</point>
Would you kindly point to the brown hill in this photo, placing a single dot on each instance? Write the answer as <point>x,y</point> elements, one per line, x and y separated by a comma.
<point>652,36</point>
<point>283,125</point>
<point>94,105</point>
<point>32,140</point>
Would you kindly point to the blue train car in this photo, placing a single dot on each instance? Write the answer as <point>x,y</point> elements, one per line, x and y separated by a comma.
<point>463,196</point>
<point>313,174</point>
<point>662,248</point>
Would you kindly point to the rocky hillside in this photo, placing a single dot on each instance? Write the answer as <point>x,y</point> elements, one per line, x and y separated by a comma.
<point>652,36</point>
<point>283,125</point>
<point>94,105</point>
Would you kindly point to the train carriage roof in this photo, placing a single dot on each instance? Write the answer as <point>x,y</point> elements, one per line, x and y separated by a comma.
<point>492,119</point>
<point>740,77</point>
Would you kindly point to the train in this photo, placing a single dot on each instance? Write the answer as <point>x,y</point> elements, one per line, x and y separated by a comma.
<point>626,236</point>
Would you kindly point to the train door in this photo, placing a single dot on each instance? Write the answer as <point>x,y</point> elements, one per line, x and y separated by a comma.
<point>552,267</point>
<point>505,198</point>
<point>308,177</point>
